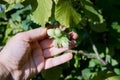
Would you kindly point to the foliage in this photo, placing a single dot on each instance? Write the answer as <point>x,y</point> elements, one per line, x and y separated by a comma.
<point>42,12</point>
<point>97,22</point>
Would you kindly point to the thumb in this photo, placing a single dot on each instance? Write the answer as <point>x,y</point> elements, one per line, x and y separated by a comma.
<point>35,34</point>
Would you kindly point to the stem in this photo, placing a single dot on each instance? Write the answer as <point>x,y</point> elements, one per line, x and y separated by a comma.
<point>88,55</point>
<point>96,51</point>
<point>97,55</point>
<point>82,53</point>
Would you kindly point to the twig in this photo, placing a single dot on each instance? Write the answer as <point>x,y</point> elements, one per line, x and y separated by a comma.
<point>94,47</point>
<point>97,55</point>
<point>96,51</point>
<point>82,53</point>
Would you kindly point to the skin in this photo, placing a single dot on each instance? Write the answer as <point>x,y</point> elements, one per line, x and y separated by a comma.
<point>28,53</point>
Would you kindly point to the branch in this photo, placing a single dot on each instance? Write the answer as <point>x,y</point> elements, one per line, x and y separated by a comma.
<point>96,51</point>
<point>82,53</point>
<point>97,55</point>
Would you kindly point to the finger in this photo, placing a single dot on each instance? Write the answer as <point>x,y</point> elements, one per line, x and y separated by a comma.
<point>52,62</point>
<point>38,57</point>
<point>53,51</point>
<point>73,35</point>
<point>36,34</point>
<point>63,28</point>
<point>46,43</point>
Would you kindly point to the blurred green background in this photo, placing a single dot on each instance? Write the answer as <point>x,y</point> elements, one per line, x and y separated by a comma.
<point>97,22</point>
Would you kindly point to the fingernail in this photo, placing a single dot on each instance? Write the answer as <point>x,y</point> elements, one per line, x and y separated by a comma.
<point>73,42</point>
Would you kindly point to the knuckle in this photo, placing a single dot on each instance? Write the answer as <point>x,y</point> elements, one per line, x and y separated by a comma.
<point>21,36</point>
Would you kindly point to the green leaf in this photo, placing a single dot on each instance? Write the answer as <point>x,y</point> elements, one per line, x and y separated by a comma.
<point>14,6</point>
<point>16,16</point>
<point>105,75</point>
<point>117,71</point>
<point>13,1</point>
<point>86,74</point>
<point>91,13</point>
<point>66,14</point>
<point>26,24</point>
<point>92,63</point>
<point>116,26</point>
<point>112,61</point>
<point>113,78</point>
<point>43,11</point>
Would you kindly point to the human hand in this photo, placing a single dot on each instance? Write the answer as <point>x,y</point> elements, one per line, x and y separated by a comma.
<point>27,53</point>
